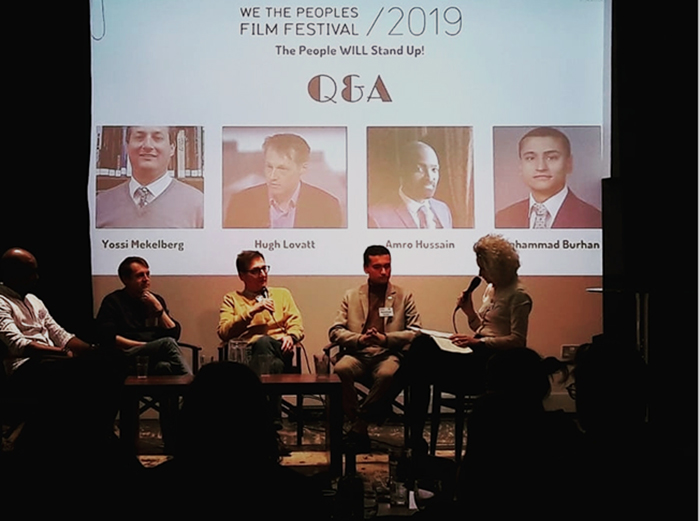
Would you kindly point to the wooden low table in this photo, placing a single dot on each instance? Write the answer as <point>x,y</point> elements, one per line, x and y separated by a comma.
<point>167,387</point>
<point>328,384</point>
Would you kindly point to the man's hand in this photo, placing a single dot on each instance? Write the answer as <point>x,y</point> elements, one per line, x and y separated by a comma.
<point>373,338</point>
<point>77,347</point>
<point>287,343</point>
<point>464,340</point>
<point>365,339</point>
<point>151,302</point>
<point>264,304</point>
<point>157,310</point>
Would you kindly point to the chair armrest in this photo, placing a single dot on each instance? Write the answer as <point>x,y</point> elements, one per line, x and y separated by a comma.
<point>195,354</point>
<point>329,347</point>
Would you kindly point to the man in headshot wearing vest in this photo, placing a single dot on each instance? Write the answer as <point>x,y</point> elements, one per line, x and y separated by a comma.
<point>151,198</point>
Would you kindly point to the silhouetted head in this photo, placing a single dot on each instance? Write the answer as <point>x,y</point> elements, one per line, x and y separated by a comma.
<point>611,387</point>
<point>225,415</point>
<point>19,270</point>
<point>521,372</point>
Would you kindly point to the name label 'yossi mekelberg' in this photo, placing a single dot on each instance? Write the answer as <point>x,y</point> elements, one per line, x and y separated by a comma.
<point>137,244</point>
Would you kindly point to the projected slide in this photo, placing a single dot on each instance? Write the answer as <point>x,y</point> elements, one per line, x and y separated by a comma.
<point>310,131</point>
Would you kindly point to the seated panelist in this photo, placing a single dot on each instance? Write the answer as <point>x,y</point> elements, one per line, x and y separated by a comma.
<point>500,323</point>
<point>43,362</point>
<point>266,317</point>
<point>372,330</point>
<point>27,330</point>
<point>141,321</point>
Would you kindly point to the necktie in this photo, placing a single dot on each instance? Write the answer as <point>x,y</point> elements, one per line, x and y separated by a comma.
<point>541,214</point>
<point>143,194</point>
<point>426,217</point>
<point>422,217</point>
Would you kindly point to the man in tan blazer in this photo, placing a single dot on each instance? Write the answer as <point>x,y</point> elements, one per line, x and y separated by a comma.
<point>372,329</point>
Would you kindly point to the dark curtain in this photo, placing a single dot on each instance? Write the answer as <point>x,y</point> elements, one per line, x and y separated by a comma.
<point>47,103</point>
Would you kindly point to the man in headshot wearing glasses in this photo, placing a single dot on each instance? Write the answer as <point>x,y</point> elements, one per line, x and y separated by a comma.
<point>266,317</point>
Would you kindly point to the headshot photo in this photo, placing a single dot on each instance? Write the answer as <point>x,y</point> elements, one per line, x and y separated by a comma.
<point>284,177</point>
<point>149,177</point>
<point>547,177</point>
<point>420,177</point>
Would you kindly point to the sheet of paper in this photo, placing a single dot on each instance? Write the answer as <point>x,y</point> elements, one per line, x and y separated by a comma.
<point>442,340</point>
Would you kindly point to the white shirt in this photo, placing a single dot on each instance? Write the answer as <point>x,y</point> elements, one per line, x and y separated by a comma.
<point>413,206</point>
<point>156,188</point>
<point>23,321</point>
<point>553,204</point>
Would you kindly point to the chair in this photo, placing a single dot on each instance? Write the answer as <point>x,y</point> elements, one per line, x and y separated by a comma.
<point>149,402</point>
<point>195,353</point>
<point>11,414</point>
<point>326,362</point>
<point>462,401</point>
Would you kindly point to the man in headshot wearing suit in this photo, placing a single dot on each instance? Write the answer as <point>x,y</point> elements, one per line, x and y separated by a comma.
<point>413,206</point>
<point>284,201</point>
<point>152,198</point>
<point>545,164</point>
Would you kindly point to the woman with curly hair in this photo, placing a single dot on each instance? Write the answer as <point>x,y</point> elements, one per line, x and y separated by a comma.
<point>501,321</point>
<point>499,324</point>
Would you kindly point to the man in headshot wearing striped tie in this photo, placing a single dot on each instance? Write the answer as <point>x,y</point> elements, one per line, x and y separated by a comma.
<point>152,198</point>
<point>414,205</point>
<point>545,164</point>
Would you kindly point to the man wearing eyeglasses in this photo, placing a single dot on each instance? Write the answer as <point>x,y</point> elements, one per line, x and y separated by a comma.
<point>266,317</point>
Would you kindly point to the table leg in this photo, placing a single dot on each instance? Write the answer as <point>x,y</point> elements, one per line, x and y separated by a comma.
<point>129,421</point>
<point>336,431</point>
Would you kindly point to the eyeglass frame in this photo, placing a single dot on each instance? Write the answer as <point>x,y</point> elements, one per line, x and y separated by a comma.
<point>260,269</point>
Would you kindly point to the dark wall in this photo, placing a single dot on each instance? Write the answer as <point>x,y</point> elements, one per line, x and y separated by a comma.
<point>655,214</point>
<point>44,206</point>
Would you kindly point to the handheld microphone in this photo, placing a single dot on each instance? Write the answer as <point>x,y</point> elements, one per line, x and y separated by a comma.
<point>264,293</point>
<point>472,286</point>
